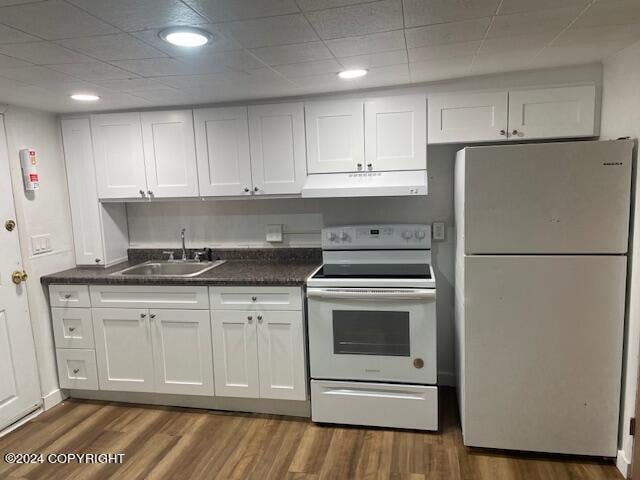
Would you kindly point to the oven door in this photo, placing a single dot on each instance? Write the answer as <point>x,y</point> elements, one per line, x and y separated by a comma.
<point>373,334</point>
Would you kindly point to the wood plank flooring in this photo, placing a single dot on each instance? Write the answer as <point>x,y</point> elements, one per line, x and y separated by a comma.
<point>174,443</point>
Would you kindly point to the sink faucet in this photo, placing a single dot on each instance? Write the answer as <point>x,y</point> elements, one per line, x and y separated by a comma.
<point>184,249</point>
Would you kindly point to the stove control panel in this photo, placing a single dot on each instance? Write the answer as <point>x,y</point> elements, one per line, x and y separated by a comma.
<point>377,237</point>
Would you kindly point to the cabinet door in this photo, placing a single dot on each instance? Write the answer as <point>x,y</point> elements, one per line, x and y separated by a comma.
<point>118,153</point>
<point>561,112</point>
<point>182,351</point>
<point>278,156</point>
<point>335,136</point>
<point>222,150</point>
<point>468,117</point>
<point>235,353</point>
<point>396,133</point>
<point>83,196</point>
<point>123,349</point>
<point>170,154</point>
<point>281,355</point>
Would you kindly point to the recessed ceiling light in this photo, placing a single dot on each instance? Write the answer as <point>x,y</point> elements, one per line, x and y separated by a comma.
<point>185,36</point>
<point>85,97</point>
<point>349,74</point>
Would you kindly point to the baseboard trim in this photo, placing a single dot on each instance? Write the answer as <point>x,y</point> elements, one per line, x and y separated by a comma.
<point>447,379</point>
<point>52,399</point>
<point>622,463</point>
<point>22,421</point>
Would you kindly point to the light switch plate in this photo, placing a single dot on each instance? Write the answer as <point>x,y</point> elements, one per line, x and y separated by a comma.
<point>438,231</point>
<point>274,233</point>
<point>41,243</point>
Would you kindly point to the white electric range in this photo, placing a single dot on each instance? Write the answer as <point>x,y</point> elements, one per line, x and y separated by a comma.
<point>372,328</point>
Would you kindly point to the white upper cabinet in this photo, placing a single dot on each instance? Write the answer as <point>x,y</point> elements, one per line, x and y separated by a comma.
<point>561,112</point>
<point>281,352</point>
<point>170,154</point>
<point>468,117</point>
<point>182,351</point>
<point>118,154</point>
<point>335,136</point>
<point>396,133</point>
<point>278,155</point>
<point>235,353</point>
<point>222,150</point>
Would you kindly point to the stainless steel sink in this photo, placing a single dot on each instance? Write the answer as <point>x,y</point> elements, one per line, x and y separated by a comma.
<point>155,268</point>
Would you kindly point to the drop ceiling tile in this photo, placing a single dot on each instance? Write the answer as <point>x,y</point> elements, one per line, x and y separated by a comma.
<point>495,63</point>
<point>360,19</point>
<point>6,3</point>
<point>141,14</point>
<point>612,12</point>
<point>440,68</point>
<point>373,60</point>
<point>310,5</point>
<point>265,32</point>
<point>91,71</point>
<point>429,12</point>
<point>365,44</point>
<point>42,53</point>
<point>199,83</point>
<point>573,55</point>
<point>221,62</point>
<point>599,35</point>
<point>11,35</point>
<point>154,67</point>
<point>522,6</point>
<point>464,31</point>
<point>309,68</point>
<point>462,49</point>
<point>113,47</point>
<point>229,10</point>
<point>130,85</point>
<point>297,53</point>
<point>518,43</point>
<point>10,62</point>
<point>40,76</point>
<point>162,95</point>
<point>219,43</point>
<point>533,22</point>
<point>53,19</point>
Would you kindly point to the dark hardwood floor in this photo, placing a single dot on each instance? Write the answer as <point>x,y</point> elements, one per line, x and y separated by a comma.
<point>174,443</point>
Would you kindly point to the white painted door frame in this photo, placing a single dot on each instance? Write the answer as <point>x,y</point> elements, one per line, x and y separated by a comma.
<point>19,380</point>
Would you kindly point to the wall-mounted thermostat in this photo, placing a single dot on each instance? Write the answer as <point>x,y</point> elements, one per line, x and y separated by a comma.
<point>29,165</point>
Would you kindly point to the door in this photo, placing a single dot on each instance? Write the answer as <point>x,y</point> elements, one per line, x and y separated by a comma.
<point>396,133</point>
<point>123,349</point>
<point>561,112</point>
<point>547,198</point>
<point>118,153</point>
<point>377,335</point>
<point>222,151</point>
<point>170,153</point>
<point>235,353</point>
<point>543,352</point>
<point>278,154</point>
<point>182,351</point>
<point>468,117</point>
<point>83,195</point>
<point>335,136</point>
<point>19,385</point>
<point>281,355</point>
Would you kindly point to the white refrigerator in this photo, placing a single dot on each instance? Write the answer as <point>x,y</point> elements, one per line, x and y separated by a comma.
<point>541,243</point>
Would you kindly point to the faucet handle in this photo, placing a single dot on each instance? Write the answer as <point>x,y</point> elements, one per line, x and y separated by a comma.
<point>170,253</point>
<point>197,256</point>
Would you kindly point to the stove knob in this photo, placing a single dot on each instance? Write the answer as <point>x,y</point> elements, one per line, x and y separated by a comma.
<point>331,236</point>
<point>420,234</point>
<point>344,237</point>
<point>407,235</point>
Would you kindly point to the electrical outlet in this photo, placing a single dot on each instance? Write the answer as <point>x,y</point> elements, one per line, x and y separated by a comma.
<point>41,243</point>
<point>438,230</point>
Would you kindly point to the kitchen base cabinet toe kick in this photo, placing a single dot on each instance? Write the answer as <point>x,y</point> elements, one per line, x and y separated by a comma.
<point>183,346</point>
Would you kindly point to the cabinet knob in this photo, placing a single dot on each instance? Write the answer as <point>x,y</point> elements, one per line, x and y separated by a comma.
<point>254,299</point>
<point>72,329</point>
<point>259,318</point>
<point>141,192</point>
<point>149,192</point>
<point>250,318</point>
<point>503,132</point>
<point>67,296</point>
<point>359,166</point>
<point>246,189</point>
<point>97,260</point>
<point>143,315</point>
<point>76,370</point>
<point>369,166</point>
<point>255,189</point>
<point>515,132</point>
<point>153,315</point>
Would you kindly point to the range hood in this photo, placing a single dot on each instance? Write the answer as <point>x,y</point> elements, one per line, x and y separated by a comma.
<point>366,184</point>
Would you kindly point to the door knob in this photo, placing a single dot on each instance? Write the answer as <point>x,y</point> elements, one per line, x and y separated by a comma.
<point>18,277</point>
<point>10,225</point>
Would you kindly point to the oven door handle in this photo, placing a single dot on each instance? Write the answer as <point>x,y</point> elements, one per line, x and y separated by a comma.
<point>372,293</point>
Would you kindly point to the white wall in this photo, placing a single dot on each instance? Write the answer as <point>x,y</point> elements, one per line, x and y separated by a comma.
<point>620,118</point>
<point>45,211</point>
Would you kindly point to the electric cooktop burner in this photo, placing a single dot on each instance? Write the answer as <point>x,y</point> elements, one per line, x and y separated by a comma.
<point>358,270</point>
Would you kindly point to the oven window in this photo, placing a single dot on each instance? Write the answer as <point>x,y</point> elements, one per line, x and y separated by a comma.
<point>362,332</point>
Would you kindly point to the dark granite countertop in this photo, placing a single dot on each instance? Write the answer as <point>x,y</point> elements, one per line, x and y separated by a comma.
<point>237,270</point>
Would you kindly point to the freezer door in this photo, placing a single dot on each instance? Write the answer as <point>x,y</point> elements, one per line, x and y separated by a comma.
<point>542,352</point>
<point>547,198</point>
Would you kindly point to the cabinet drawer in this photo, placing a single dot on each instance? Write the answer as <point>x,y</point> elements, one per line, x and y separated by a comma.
<point>149,296</point>
<point>77,369</point>
<point>264,298</point>
<point>375,404</point>
<point>69,296</point>
<point>72,327</point>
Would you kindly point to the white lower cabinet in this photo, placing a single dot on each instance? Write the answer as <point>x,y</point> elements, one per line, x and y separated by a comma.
<point>182,351</point>
<point>123,349</point>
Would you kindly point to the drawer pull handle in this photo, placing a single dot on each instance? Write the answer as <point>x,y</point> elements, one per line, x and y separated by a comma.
<point>254,299</point>
<point>72,329</point>
<point>67,296</point>
<point>76,370</point>
<point>153,315</point>
<point>143,315</point>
